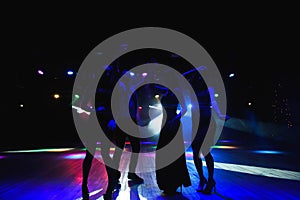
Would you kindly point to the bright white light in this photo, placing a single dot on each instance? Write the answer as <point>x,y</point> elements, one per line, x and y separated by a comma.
<point>70,72</point>
<point>156,107</point>
<point>92,194</point>
<point>216,95</point>
<point>80,110</point>
<point>40,72</point>
<point>231,75</point>
<point>131,73</point>
<point>156,115</point>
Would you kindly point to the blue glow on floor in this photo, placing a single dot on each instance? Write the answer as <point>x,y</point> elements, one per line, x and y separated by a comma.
<point>268,152</point>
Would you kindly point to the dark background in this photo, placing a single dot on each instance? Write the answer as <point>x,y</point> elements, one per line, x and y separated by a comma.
<point>259,45</point>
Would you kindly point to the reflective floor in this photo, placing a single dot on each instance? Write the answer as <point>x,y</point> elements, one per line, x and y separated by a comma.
<point>245,168</point>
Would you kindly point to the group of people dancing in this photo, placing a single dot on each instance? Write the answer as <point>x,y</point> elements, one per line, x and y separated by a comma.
<point>169,176</point>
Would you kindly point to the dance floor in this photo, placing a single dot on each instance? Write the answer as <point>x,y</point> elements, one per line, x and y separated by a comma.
<point>250,169</point>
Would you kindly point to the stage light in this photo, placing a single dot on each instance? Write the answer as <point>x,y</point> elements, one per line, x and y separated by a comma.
<point>21,105</point>
<point>56,96</point>
<point>76,97</point>
<point>140,107</point>
<point>189,105</point>
<point>131,73</point>
<point>70,72</point>
<point>80,110</point>
<point>100,108</point>
<point>249,104</point>
<point>40,72</point>
<point>216,95</point>
<point>144,74</point>
<point>231,75</point>
<point>158,107</point>
<point>156,96</point>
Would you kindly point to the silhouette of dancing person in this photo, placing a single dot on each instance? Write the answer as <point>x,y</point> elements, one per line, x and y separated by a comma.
<point>118,137</point>
<point>121,136</point>
<point>113,132</point>
<point>175,174</point>
<point>209,113</point>
<point>108,127</point>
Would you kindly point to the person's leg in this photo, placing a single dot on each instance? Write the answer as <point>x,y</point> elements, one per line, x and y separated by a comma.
<point>210,166</point>
<point>112,170</point>
<point>199,166</point>
<point>197,159</point>
<point>111,167</point>
<point>211,184</point>
<point>86,167</point>
<point>120,144</point>
<point>135,148</point>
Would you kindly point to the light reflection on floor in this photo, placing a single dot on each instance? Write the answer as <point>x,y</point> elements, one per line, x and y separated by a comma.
<point>126,192</point>
<point>260,171</point>
<point>39,150</point>
<point>93,193</point>
<point>254,170</point>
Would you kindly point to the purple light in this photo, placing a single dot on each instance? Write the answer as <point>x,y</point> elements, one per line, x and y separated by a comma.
<point>40,72</point>
<point>1,157</point>
<point>225,141</point>
<point>144,74</point>
<point>189,155</point>
<point>148,142</point>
